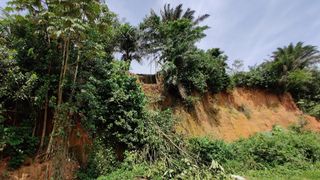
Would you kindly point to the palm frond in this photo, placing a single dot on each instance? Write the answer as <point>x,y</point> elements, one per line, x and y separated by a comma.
<point>170,14</point>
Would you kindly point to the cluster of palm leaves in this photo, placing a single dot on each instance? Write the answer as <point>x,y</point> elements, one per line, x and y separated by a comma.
<point>299,56</point>
<point>171,14</point>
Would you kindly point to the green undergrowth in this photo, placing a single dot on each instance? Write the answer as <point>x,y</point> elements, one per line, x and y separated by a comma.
<point>163,155</point>
<point>279,154</point>
<point>283,173</point>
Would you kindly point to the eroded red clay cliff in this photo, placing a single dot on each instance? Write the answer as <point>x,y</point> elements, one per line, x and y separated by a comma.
<point>232,115</point>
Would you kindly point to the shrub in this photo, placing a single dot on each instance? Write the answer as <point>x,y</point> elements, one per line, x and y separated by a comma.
<point>183,168</point>
<point>19,144</point>
<point>102,160</point>
<point>310,106</point>
<point>163,156</point>
<point>285,148</point>
<point>315,111</point>
<point>113,105</point>
<point>209,150</point>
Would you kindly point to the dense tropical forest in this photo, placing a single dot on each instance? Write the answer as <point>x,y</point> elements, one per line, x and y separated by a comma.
<point>59,71</point>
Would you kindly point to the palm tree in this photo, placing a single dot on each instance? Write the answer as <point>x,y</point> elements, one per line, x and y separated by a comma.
<point>127,43</point>
<point>165,46</point>
<point>294,57</point>
<point>171,14</point>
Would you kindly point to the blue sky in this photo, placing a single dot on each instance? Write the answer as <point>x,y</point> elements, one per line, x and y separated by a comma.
<point>245,29</point>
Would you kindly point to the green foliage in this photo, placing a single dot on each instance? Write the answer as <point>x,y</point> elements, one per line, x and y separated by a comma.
<point>183,169</point>
<point>102,160</point>
<point>112,104</point>
<point>16,94</point>
<point>299,80</point>
<point>171,14</point>
<point>56,63</point>
<point>199,71</point>
<point>218,79</point>
<point>15,85</point>
<point>172,41</point>
<point>162,156</point>
<point>127,40</point>
<point>18,144</point>
<point>315,111</point>
<point>265,151</point>
<point>165,154</point>
<point>209,150</point>
<point>288,70</point>
<point>263,76</point>
<point>285,173</point>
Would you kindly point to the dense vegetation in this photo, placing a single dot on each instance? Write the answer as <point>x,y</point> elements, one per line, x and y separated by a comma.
<point>171,39</point>
<point>58,69</point>
<point>264,153</point>
<point>294,69</point>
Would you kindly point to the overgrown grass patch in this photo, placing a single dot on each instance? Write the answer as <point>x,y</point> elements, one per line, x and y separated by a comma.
<point>276,154</point>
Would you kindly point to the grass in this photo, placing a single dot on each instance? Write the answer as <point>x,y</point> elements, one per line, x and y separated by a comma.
<point>292,175</point>
<point>285,173</point>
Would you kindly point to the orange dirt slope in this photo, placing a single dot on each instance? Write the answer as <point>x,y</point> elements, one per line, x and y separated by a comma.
<point>232,115</point>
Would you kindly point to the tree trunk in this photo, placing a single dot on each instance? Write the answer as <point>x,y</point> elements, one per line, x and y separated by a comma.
<point>45,118</point>
<point>34,127</point>
<point>44,122</point>
<point>75,76</point>
<point>60,93</point>
<point>60,87</point>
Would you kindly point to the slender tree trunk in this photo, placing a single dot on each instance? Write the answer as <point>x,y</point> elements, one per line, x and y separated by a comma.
<point>71,95</point>
<point>45,118</point>
<point>44,122</point>
<point>60,92</point>
<point>34,127</point>
<point>61,74</point>
<point>75,76</point>
<point>67,58</point>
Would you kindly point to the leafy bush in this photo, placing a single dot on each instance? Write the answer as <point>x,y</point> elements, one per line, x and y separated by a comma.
<point>299,80</point>
<point>312,107</point>
<point>163,156</point>
<point>315,111</point>
<point>113,105</point>
<point>263,76</point>
<point>19,145</point>
<point>183,168</point>
<point>286,148</point>
<point>102,160</point>
<point>198,71</point>
<point>209,150</point>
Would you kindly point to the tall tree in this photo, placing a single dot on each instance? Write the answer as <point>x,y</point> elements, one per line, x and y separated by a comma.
<point>293,58</point>
<point>184,28</point>
<point>52,39</point>
<point>298,56</point>
<point>127,40</point>
<point>171,37</point>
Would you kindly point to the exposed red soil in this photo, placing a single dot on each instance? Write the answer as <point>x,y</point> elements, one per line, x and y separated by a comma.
<point>34,169</point>
<point>37,170</point>
<point>232,115</point>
